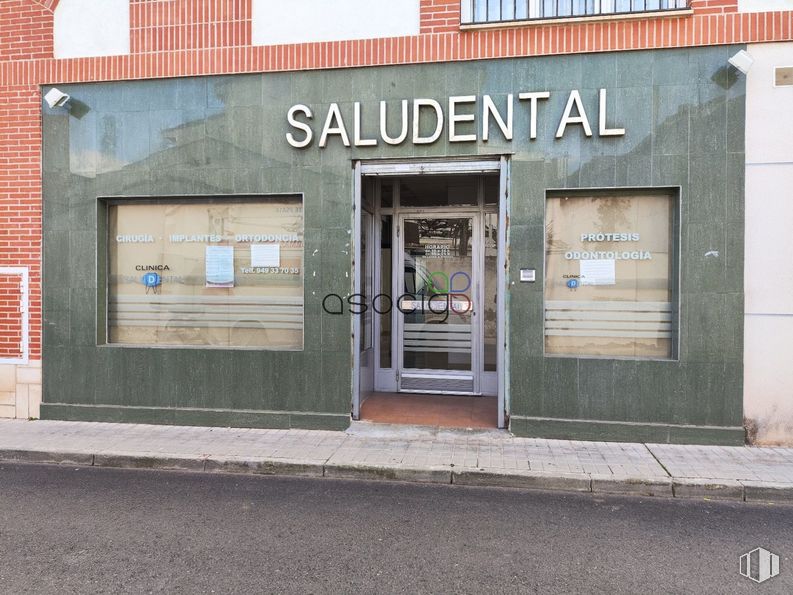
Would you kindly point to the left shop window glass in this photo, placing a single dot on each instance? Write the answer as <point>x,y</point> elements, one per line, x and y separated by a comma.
<point>215,273</point>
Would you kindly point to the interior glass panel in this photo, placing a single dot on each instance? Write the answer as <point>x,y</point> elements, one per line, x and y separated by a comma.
<point>383,304</point>
<point>437,191</point>
<point>439,293</point>
<point>366,280</point>
<point>491,187</point>
<point>490,305</point>
<point>386,194</point>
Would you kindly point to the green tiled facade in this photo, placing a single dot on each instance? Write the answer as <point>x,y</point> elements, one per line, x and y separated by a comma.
<point>683,112</point>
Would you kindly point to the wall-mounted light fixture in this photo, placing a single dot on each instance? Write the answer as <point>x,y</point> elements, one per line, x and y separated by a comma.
<point>742,61</point>
<point>56,98</point>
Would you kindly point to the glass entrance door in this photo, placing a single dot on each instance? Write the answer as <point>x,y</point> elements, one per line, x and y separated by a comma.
<point>438,340</point>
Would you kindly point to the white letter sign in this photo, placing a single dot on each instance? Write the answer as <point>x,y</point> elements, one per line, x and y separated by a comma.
<point>328,128</point>
<point>299,144</point>
<point>417,105</point>
<point>574,100</point>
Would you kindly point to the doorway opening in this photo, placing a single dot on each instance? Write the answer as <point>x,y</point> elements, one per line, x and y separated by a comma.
<point>428,342</point>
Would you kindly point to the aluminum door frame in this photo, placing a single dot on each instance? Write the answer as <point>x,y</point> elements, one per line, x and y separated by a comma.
<point>357,206</point>
<point>502,300</point>
<point>494,164</point>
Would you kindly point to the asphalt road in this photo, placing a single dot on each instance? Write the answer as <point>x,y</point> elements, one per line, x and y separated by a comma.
<point>90,530</point>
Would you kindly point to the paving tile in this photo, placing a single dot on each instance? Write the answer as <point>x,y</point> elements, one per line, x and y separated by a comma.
<point>726,462</point>
<point>372,449</point>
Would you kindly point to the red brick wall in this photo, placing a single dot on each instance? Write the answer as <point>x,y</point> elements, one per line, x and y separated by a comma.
<point>165,25</point>
<point>577,37</point>
<point>25,30</point>
<point>10,327</point>
<point>439,16</point>
<point>20,195</point>
<point>713,6</point>
<point>26,35</point>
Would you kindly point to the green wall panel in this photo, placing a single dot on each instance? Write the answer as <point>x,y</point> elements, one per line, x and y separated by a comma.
<point>683,111</point>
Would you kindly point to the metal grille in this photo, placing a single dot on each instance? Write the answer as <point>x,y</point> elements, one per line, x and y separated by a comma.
<point>499,11</point>
<point>443,338</point>
<point>436,384</point>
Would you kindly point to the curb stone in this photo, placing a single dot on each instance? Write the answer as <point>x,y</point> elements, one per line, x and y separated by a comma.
<point>149,462</point>
<point>716,489</point>
<point>764,491</point>
<point>43,456</point>
<point>637,486</point>
<point>394,473</point>
<point>573,482</point>
<point>263,466</point>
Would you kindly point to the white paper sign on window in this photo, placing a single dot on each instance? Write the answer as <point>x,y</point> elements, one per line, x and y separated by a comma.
<point>220,266</point>
<point>598,272</point>
<point>265,255</point>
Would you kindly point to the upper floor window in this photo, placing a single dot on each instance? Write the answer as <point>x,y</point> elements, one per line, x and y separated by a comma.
<point>500,11</point>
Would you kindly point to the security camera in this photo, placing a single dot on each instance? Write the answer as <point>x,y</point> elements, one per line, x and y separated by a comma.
<point>56,98</point>
<point>742,61</point>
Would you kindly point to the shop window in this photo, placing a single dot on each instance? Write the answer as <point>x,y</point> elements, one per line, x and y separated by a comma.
<point>611,274</point>
<point>214,272</point>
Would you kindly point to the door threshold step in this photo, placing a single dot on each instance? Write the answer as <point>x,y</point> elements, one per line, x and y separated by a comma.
<point>417,432</point>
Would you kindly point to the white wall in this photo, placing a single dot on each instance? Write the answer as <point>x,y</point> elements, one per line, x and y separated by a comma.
<point>91,28</point>
<point>768,278</point>
<point>764,5</point>
<point>298,21</point>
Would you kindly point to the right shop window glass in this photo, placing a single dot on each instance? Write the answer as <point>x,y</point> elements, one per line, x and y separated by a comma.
<point>611,274</point>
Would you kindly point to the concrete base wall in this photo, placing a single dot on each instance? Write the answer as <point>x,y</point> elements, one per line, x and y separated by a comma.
<point>221,418</point>
<point>20,390</point>
<point>576,429</point>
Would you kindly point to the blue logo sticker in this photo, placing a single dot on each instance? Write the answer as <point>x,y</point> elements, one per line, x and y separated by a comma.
<point>572,283</point>
<point>151,280</point>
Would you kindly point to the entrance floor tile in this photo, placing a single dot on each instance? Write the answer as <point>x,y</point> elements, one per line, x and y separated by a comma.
<point>445,411</point>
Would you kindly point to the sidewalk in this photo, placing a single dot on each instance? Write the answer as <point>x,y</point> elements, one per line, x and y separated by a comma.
<point>409,453</point>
